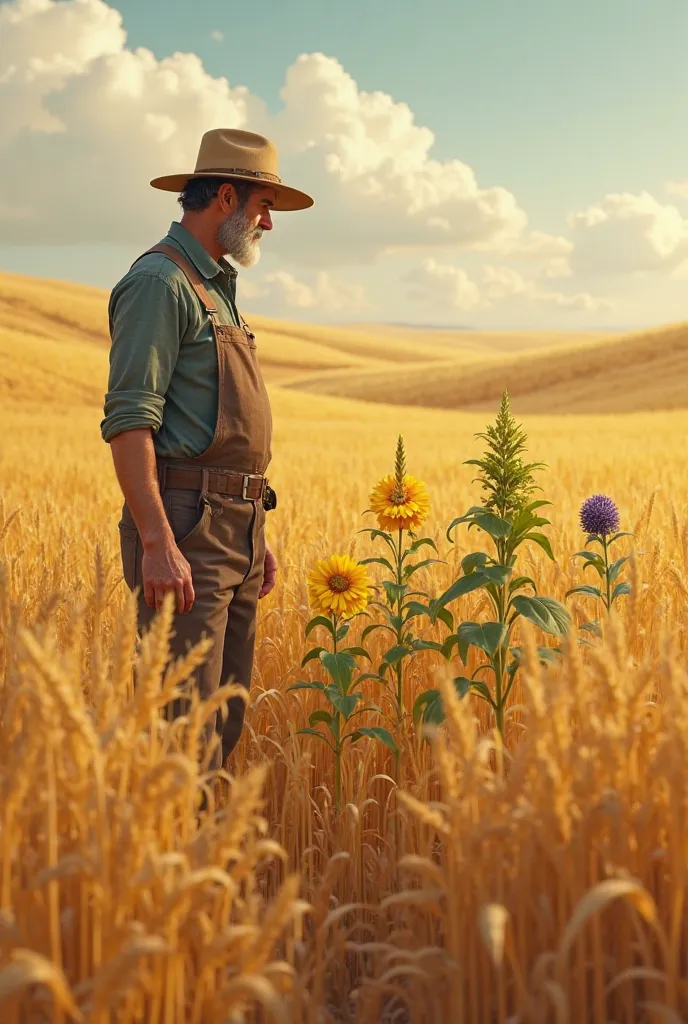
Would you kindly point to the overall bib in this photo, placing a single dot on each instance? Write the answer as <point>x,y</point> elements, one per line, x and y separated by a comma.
<point>215,504</point>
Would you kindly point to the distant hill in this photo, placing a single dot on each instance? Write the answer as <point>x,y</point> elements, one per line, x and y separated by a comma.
<point>646,370</point>
<point>54,347</point>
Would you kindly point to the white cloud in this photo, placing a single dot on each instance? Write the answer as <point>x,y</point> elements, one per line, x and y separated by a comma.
<point>557,268</point>
<point>441,286</point>
<point>538,245</point>
<point>283,290</point>
<point>446,287</point>
<point>499,283</point>
<point>217,35</point>
<point>626,233</point>
<point>677,188</point>
<point>105,119</point>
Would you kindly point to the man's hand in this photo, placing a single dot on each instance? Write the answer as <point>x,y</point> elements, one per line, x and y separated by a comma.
<point>269,573</point>
<point>164,568</point>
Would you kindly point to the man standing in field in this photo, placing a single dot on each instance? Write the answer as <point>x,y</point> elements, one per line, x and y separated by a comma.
<point>187,415</point>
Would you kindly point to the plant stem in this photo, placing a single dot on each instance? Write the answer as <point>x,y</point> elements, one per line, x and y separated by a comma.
<point>334,632</point>
<point>500,653</point>
<point>398,666</point>
<point>608,600</point>
<point>338,777</point>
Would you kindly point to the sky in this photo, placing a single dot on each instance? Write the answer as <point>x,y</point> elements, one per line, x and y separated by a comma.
<point>509,163</point>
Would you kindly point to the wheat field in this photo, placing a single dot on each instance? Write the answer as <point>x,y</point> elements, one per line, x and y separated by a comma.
<point>541,881</point>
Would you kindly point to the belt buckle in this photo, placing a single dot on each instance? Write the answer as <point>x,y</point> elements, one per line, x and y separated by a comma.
<point>244,486</point>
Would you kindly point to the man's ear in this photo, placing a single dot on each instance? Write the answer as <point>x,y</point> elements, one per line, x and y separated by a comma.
<point>228,197</point>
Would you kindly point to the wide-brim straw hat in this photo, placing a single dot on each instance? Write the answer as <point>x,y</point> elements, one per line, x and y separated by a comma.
<point>234,154</point>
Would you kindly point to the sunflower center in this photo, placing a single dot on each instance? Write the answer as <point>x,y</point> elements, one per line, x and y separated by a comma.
<point>338,583</point>
<point>398,495</point>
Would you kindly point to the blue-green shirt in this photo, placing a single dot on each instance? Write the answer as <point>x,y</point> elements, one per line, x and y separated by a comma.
<point>163,360</point>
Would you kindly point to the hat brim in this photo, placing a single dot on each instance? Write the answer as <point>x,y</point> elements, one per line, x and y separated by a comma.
<point>286,198</point>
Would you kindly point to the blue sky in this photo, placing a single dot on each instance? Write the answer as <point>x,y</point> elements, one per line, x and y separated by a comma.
<point>561,104</point>
<point>547,97</point>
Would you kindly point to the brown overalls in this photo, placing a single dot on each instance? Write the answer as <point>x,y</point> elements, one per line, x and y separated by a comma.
<point>215,506</point>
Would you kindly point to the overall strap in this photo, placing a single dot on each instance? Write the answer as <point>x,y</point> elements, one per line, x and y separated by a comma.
<point>195,279</point>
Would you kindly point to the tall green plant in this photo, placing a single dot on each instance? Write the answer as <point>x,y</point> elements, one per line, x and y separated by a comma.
<point>401,504</point>
<point>509,519</point>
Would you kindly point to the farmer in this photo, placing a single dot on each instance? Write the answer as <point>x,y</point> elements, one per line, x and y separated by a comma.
<point>188,419</point>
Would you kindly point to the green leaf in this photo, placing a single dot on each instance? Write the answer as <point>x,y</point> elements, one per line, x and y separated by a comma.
<point>379,561</point>
<point>345,702</point>
<point>446,617</point>
<point>376,625</point>
<point>375,533</point>
<point>394,591</point>
<point>587,591</point>
<point>546,655</point>
<point>497,574</point>
<point>414,609</point>
<point>320,620</point>
<point>522,581</point>
<point>370,675</point>
<point>592,627</point>
<point>313,655</point>
<point>357,652</point>
<point>428,706</point>
<point>617,536</point>
<point>418,544</point>
<point>340,666</point>
<point>315,732</point>
<point>448,646</point>
<point>493,525</point>
<point>524,522</point>
<point>410,569</point>
<point>488,636</point>
<point>590,556</point>
<point>545,612</point>
<point>376,732</point>
<point>462,685</point>
<point>301,685</point>
<point>320,716</point>
<point>468,517</point>
<point>615,568</point>
<point>620,590</point>
<point>464,585</point>
<point>476,560</point>
<point>396,653</point>
<point>426,645</point>
<point>542,541</point>
<point>343,631</point>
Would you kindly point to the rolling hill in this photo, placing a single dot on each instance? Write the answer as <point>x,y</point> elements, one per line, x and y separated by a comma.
<point>54,348</point>
<point>641,371</point>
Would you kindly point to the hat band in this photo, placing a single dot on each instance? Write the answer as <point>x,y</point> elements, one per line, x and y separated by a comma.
<point>264,175</point>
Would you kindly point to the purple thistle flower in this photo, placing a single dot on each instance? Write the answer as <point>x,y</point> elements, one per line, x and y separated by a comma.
<point>599,515</point>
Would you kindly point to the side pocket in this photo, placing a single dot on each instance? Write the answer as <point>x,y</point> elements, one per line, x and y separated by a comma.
<point>186,513</point>
<point>128,545</point>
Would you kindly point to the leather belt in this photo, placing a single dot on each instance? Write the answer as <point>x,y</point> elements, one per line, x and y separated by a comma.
<point>245,485</point>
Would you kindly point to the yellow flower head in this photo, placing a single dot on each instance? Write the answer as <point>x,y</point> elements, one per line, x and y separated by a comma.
<point>338,585</point>
<point>400,506</point>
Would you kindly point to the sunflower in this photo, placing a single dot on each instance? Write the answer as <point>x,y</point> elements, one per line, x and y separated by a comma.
<point>400,505</point>
<point>339,585</point>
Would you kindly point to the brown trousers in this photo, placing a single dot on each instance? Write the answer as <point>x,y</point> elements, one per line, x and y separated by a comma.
<point>223,539</point>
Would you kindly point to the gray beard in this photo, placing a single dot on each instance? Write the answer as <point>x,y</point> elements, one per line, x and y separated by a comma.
<point>239,240</point>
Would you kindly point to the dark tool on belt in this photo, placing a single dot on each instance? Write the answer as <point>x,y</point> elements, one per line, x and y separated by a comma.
<point>269,498</point>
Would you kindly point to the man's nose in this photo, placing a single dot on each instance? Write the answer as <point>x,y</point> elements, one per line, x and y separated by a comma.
<point>266,221</point>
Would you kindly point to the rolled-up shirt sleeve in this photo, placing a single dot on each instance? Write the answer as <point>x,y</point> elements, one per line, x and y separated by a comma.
<point>147,321</point>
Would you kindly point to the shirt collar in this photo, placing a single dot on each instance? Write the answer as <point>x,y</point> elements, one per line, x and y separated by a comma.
<point>198,254</point>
